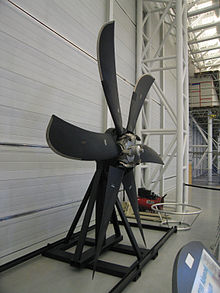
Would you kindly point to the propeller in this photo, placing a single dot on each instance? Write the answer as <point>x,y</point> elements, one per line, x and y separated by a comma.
<point>74,142</point>
<point>106,64</point>
<point>150,156</point>
<point>115,176</point>
<point>130,187</point>
<point>116,149</point>
<point>139,94</point>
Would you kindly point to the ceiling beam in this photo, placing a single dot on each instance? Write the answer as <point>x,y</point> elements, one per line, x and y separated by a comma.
<point>203,10</point>
<point>204,26</point>
<point>204,50</point>
<point>194,41</point>
<point>211,66</point>
<point>160,1</point>
<point>207,58</point>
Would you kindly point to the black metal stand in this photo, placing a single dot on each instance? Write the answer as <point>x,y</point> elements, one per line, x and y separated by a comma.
<point>82,258</point>
<point>86,259</point>
<point>57,251</point>
<point>127,274</point>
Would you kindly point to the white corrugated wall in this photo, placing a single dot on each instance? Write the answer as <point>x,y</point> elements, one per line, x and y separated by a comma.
<point>41,74</point>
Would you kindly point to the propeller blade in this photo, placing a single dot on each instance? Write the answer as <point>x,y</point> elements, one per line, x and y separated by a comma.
<point>76,143</point>
<point>150,156</point>
<point>115,176</point>
<point>106,63</point>
<point>139,94</point>
<point>130,187</point>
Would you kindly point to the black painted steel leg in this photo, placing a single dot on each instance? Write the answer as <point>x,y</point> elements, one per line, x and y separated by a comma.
<point>128,230</point>
<point>115,176</point>
<point>115,223</point>
<point>80,210</point>
<point>130,187</point>
<point>88,214</point>
<point>100,202</point>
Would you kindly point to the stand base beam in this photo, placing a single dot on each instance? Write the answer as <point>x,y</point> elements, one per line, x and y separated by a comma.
<point>110,268</point>
<point>60,254</point>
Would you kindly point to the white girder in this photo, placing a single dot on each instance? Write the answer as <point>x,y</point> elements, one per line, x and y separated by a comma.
<point>204,26</point>
<point>200,129</point>
<point>207,58</point>
<point>203,10</point>
<point>195,41</point>
<point>173,13</point>
<point>207,150</point>
<point>210,146</point>
<point>205,50</point>
<point>211,66</point>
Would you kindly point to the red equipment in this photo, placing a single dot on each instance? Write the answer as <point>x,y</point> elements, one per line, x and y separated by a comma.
<point>146,199</point>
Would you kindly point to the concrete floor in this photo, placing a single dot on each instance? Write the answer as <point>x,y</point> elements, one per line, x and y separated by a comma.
<point>45,275</point>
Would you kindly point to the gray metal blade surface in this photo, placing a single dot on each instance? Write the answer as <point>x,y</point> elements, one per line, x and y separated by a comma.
<point>150,156</point>
<point>107,70</point>
<point>76,143</point>
<point>139,94</point>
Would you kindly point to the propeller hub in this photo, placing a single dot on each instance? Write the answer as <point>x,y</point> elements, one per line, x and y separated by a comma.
<point>130,151</point>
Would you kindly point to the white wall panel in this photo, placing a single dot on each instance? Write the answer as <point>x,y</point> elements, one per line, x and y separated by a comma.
<point>42,74</point>
<point>125,93</point>
<point>42,225</point>
<point>78,21</point>
<point>125,42</point>
<point>129,8</point>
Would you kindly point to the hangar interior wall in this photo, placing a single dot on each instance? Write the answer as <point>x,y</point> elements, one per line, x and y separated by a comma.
<point>41,74</point>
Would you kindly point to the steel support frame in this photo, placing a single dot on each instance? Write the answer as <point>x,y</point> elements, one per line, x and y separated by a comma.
<point>197,162</point>
<point>179,116</point>
<point>203,10</point>
<point>205,50</point>
<point>209,147</point>
<point>195,41</point>
<point>204,26</point>
<point>218,149</point>
<point>201,61</point>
